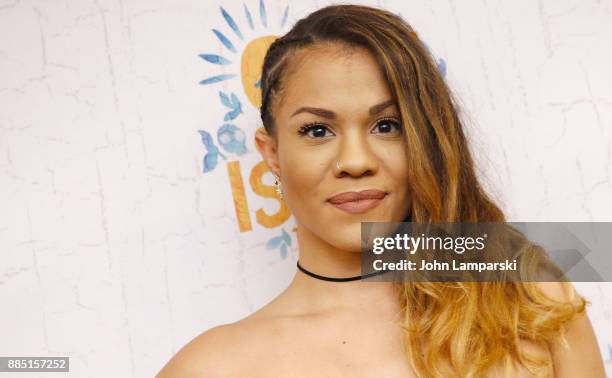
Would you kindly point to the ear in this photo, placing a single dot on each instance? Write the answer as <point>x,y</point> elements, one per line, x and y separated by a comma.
<point>267,147</point>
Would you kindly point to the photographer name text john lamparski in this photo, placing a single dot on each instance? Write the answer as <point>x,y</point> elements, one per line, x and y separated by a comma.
<point>443,265</point>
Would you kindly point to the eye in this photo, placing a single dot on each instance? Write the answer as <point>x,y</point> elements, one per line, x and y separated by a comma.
<point>387,124</point>
<point>318,130</point>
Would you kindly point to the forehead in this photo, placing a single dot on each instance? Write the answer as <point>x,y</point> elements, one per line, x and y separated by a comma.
<point>333,76</point>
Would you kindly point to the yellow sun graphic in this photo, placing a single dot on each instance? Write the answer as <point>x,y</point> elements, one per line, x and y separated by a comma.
<point>253,52</point>
<point>231,139</point>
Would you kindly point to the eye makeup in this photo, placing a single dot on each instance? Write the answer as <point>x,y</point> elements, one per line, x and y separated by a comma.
<point>305,129</point>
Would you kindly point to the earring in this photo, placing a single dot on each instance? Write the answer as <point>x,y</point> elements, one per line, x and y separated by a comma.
<point>279,188</point>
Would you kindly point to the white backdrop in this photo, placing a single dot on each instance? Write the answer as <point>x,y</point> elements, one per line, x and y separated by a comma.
<point>134,210</point>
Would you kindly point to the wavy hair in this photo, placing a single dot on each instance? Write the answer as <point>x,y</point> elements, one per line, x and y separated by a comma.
<point>453,328</point>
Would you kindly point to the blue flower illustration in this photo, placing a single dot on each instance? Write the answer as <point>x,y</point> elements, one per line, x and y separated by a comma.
<point>281,242</point>
<point>233,103</point>
<point>210,159</point>
<point>232,139</point>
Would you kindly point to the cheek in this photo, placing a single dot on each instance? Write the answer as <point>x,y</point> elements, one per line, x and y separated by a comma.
<point>393,156</point>
<point>302,176</point>
<point>399,172</point>
<point>396,164</point>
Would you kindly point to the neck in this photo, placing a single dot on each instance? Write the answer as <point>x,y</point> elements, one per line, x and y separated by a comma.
<point>321,258</point>
<point>338,279</point>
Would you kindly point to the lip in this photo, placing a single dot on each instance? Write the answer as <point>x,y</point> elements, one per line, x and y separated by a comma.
<point>358,202</point>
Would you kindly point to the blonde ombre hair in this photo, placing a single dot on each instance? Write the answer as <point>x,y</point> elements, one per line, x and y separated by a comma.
<point>451,329</point>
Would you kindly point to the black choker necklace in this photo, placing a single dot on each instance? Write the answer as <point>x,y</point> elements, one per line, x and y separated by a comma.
<point>311,274</point>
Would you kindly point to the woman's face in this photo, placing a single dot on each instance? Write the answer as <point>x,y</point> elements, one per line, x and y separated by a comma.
<point>347,87</point>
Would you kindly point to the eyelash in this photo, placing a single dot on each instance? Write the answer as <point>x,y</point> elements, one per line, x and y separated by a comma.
<point>313,125</point>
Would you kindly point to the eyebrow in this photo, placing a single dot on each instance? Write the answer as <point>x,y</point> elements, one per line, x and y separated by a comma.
<point>331,115</point>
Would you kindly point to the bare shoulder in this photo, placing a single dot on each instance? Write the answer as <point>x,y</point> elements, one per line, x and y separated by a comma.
<point>580,356</point>
<point>222,351</point>
<point>228,350</point>
<point>213,353</point>
<point>204,356</point>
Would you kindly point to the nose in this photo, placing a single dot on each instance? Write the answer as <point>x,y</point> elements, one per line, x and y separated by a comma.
<point>355,156</point>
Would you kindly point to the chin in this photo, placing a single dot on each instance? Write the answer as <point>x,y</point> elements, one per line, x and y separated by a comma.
<point>350,247</point>
<point>347,240</point>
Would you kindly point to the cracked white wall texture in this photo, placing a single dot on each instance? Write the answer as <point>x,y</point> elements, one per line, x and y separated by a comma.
<point>117,249</point>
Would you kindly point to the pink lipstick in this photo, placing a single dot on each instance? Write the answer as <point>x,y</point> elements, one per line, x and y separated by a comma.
<point>358,202</point>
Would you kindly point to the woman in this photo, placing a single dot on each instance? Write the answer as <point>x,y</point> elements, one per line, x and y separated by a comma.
<point>352,102</point>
